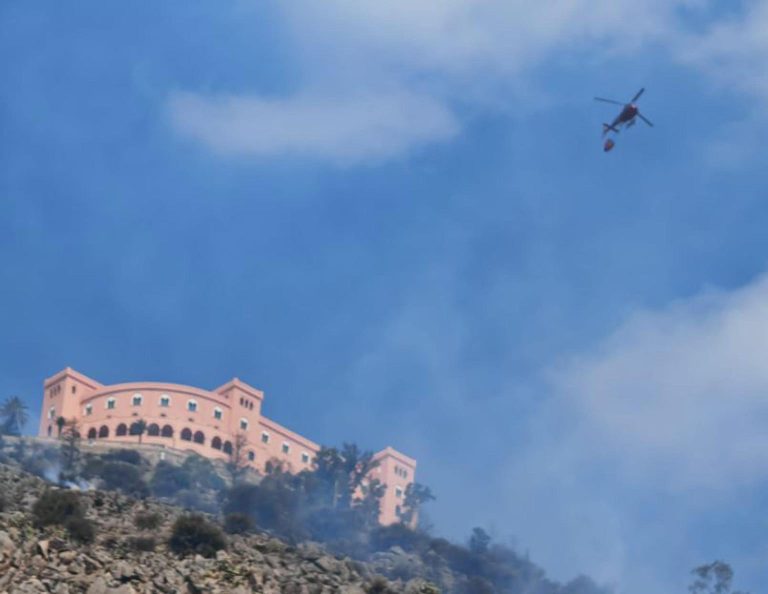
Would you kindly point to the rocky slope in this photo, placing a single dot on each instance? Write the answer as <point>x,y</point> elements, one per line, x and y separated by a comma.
<point>36,560</point>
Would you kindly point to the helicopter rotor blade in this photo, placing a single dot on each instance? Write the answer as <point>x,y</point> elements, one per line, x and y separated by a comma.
<point>609,101</point>
<point>636,97</point>
<point>645,119</point>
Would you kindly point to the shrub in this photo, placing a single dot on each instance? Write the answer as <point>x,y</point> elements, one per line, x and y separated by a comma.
<point>168,479</point>
<point>194,534</point>
<point>2,503</point>
<point>81,529</point>
<point>125,477</point>
<point>127,456</point>
<point>379,585</point>
<point>238,523</point>
<point>148,520</point>
<point>56,507</point>
<point>143,543</point>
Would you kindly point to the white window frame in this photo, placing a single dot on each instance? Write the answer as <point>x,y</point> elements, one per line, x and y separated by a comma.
<point>265,434</point>
<point>251,456</point>
<point>137,397</point>
<point>165,401</point>
<point>191,405</point>
<point>399,492</point>
<point>111,401</point>
<point>305,458</point>
<point>88,410</point>
<point>218,414</point>
<point>51,412</point>
<point>243,424</point>
<point>286,448</point>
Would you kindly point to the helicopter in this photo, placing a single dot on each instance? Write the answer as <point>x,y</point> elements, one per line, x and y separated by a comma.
<point>627,116</point>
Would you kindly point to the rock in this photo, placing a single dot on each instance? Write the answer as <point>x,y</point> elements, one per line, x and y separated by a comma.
<point>327,564</point>
<point>67,556</point>
<point>42,547</point>
<point>99,586</point>
<point>222,555</point>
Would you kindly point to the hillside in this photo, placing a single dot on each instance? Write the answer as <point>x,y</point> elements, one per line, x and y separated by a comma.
<point>48,559</point>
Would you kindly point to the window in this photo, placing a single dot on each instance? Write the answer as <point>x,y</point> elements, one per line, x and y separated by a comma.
<point>216,443</point>
<point>243,424</point>
<point>264,437</point>
<point>122,429</point>
<point>51,412</point>
<point>136,400</point>
<point>186,434</point>
<point>74,389</point>
<point>88,409</point>
<point>92,433</point>
<point>192,405</point>
<point>153,430</point>
<point>199,437</point>
<point>166,431</point>
<point>217,413</point>
<point>227,447</point>
<point>251,456</point>
<point>110,403</point>
<point>304,458</point>
<point>398,492</point>
<point>165,401</point>
<point>103,431</point>
<point>286,447</point>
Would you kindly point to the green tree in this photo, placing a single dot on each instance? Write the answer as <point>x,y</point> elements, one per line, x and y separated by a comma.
<point>340,474</point>
<point>70,451</point>
<point>14,414</point>
<point>712,578</point>
<point>479,541</point>
<point>60,422</point>
<point>238,462</point>
<point>416,495</point>
<point>139,428</point>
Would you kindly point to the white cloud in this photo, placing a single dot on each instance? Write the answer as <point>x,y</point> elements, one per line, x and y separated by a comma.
<point>343,130</point>
<point>734,50</point>
<point>679,395</point>
<point>453,51</point>
<point>660,426</point>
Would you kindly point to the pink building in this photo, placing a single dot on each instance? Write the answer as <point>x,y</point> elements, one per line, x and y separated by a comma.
<point>206,422</point>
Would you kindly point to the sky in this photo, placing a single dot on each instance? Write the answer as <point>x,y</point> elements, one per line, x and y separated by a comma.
<point>397,220</point>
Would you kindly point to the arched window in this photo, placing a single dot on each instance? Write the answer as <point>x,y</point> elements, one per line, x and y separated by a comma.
<point>251,456</point>
<point>103,431</point>
<point>227,447</point>
<point>199,437</point>
<point>153,430</point>
<point>92,433</point>
<point>186,434</point>
<point>121,430</point>
<point>167,431</point>
<point>216,443</point>
<point>137,429</point>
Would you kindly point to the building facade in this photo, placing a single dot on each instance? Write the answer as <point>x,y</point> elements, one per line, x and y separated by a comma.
<point>206,422</point>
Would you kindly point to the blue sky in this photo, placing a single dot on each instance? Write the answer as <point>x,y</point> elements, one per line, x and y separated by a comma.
<point>397,220</point>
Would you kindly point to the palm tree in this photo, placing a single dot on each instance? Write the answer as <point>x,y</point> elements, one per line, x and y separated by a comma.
<point>15,415</point>
<point>139,428</point>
